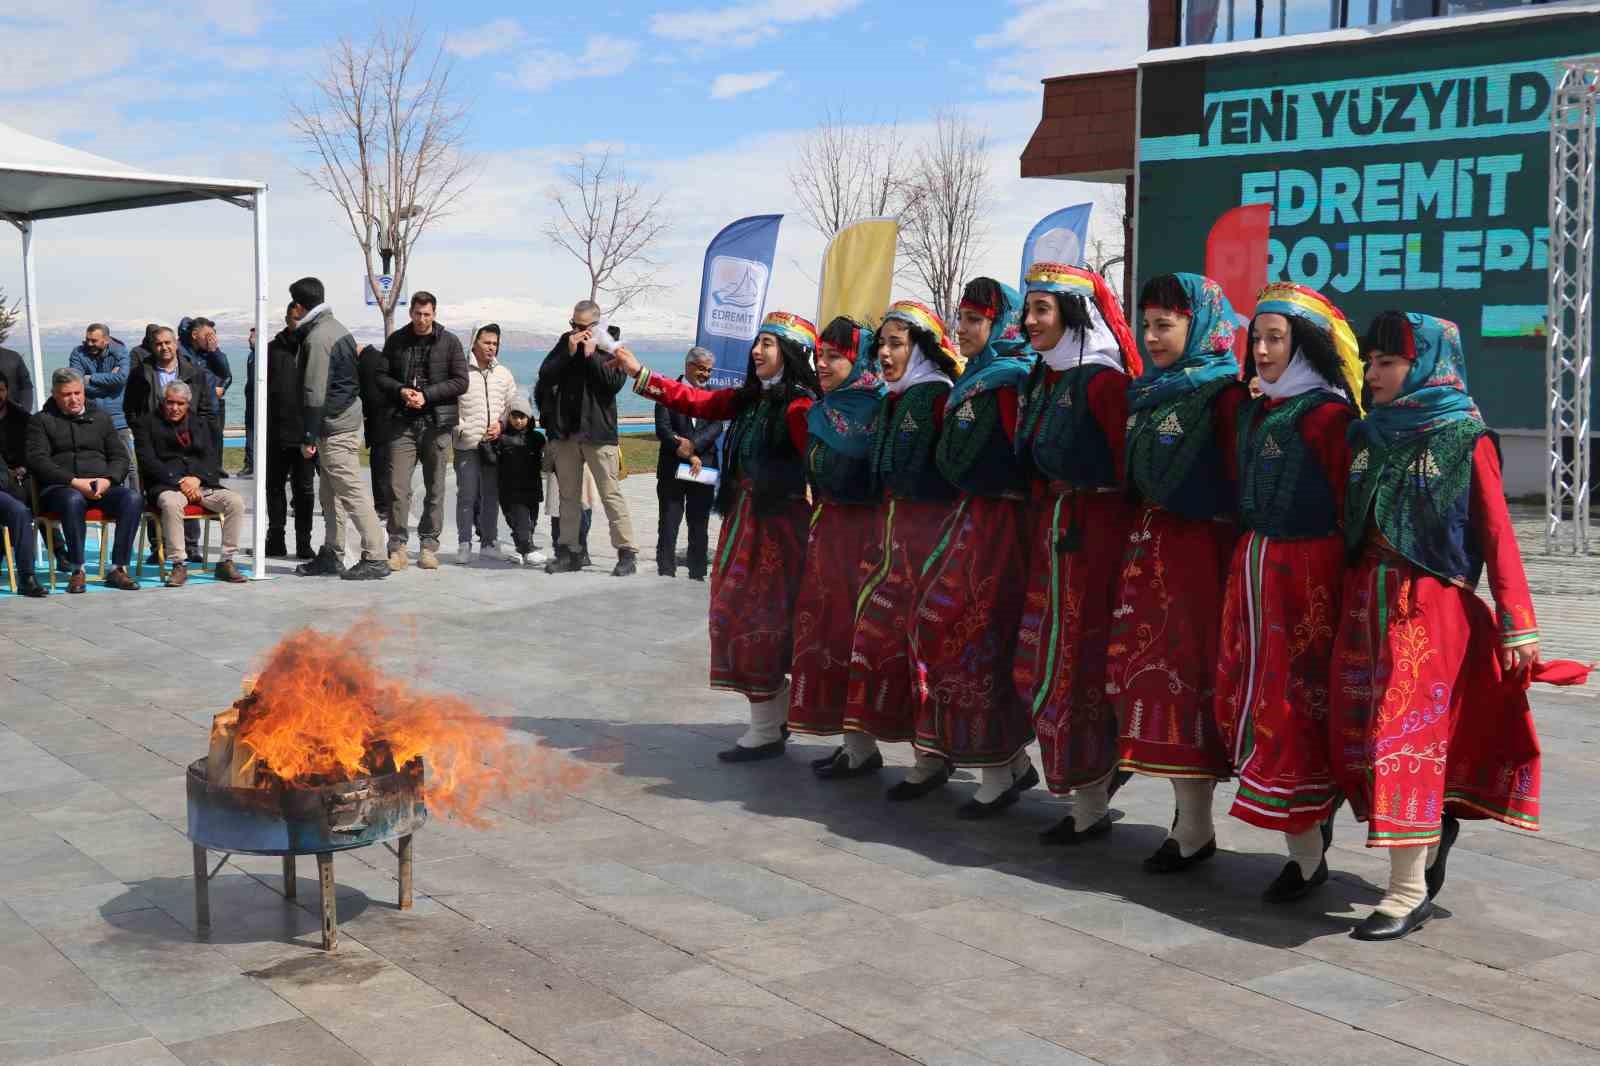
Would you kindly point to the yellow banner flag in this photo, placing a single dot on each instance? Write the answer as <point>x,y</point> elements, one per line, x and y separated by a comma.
<point>857,271</point>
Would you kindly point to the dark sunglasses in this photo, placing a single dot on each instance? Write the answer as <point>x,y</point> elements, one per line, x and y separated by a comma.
<point>581,326</point>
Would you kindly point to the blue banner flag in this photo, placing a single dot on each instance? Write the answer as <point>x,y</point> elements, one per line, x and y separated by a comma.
<point>1059,237</point>
<point>733,293</point>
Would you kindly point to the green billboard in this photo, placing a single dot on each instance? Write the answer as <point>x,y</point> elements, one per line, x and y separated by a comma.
<point>1408,171</point>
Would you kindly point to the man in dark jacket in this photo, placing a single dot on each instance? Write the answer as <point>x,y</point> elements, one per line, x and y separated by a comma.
<point>80,463</point>
<point>285,462</point>
<point>14,369</point>
<point>577,400</point>
<point>141,400</point>
<point>379,429</point>
<point>198,339</point>
<point>690,442</point>
<point>103,362</point>
<point>15,515</point>
<point>424,371</point>
<point>180,459</point>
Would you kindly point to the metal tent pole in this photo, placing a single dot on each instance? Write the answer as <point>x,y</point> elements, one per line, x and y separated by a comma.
<point>30,301</point>
<point>1570,323</point>
<point>258,461</point>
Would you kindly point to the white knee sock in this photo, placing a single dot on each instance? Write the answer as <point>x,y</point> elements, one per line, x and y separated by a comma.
<point>859,746</point>
<point>1194,828</point>
<point>927,767</point>
<point>1433,855</point>
<point>993,782</point>
<point>1306,850</point>
<point>1090,802</point>
<point>1407,884</point>
<point>766,720</point>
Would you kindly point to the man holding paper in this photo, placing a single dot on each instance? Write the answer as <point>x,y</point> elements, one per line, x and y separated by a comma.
<point>686,474</point>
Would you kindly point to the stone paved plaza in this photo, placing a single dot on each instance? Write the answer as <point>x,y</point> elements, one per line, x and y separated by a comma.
<point>676,910</point>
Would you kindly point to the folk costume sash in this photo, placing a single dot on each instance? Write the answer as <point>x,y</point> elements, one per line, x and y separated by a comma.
<point>1171,425</point>
<point>1411,459</point>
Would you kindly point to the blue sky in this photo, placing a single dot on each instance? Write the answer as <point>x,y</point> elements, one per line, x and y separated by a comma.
<point>705,101</point>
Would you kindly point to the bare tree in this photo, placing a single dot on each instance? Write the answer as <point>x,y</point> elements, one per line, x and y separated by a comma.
<point>845,172</point>
<point>611,225</point>
<point>9,316</point>
<point>1108,248</point>
<point>388,133</point>
<point>941,226</point>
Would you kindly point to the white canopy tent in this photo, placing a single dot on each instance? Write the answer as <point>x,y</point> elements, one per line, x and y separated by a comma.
<point>41,180</point>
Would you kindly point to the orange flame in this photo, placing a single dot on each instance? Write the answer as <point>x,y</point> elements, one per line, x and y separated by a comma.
<point>322,712</point>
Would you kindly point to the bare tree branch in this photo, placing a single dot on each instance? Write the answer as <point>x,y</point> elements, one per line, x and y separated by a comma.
<point>941,224</point>
<point>845,172</point>
<point>387,135</point>
<point>611,225</point>
<point>9,316</point>
<point>1106,254</point>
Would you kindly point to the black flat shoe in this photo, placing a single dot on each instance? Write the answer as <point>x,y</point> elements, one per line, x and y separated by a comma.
<point>741,754</point>
<point>841,770</point>
<point>973,810</point>
<point>1434,875</point>
<point>1064,834</point>
<point>903,791</point>
<point>1291,884</point>
<point>1383,927</point>
<point>827,760</point>
<point>1169,859</point>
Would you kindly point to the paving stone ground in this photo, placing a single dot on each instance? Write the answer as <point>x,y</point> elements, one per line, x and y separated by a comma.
<point>680,911</point>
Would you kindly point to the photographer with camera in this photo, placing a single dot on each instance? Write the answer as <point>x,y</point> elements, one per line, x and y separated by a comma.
<point>577,401</point>
<point>490,389</point>
<point>422,378</point>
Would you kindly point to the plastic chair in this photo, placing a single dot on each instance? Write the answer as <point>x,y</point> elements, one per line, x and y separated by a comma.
<point>49,523</point>
<point>192,512</point>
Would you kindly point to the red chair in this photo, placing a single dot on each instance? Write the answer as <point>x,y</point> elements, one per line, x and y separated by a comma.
<point>192,512</point>
<point>49,523</point>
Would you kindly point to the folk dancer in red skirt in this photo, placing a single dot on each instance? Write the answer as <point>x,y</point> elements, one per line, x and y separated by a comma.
<point>1074,416</point>
<point>964,633</point>
<point>762,499</point>
<point>914,498</point>
<point>1161,665</point>
<point>1284,585</point>
<point>844,525</point>
<point>1430,718</point>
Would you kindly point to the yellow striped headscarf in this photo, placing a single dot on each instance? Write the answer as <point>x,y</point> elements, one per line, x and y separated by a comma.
<point>1287,298</point>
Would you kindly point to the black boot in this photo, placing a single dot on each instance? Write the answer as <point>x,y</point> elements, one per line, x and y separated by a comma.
<point>627,564</point>
<point>28,585</point>
<point>326,564</point>
<point>277,547</point>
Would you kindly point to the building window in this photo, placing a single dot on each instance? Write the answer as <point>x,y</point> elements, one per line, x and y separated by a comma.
<point>1219,21</point>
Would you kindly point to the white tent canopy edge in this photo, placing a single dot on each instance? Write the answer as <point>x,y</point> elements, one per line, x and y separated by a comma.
<point>42,180</point>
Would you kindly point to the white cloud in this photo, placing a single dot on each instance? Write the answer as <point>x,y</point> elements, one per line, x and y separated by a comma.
<point>1051,37</point>
<point>602,55</point>
<point>742,25</point>
<point>727,86</point>
<point>501,35</point>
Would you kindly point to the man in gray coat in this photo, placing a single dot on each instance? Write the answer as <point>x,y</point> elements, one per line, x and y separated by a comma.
<point>331,394</point>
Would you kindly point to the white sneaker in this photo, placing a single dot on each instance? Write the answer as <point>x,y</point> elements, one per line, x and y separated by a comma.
<point>464,553</point>
<point>491,551</point>
<point>533,558</point>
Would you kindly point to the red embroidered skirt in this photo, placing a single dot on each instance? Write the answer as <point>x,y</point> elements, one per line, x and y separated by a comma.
<point>883,695</point>
<point>1161,666</point>
<point>1060,668</point>
<point>965,635</point>
<point>753,588</point>
<point>1423,720</point>
<point>842,535</point>
<point>1275,660</point>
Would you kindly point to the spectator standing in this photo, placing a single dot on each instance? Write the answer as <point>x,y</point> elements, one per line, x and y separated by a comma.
<point>14,369</point>
<point>15,514</point>
<point>423,374</point>
<point>198,338</point>
<point>148,379</point>
<point>483,406</point>
<point>180,458</point>
<point>104,363</point>
<point>285,429</point>
<point>80,462</point>
<point>519,459</point>
<point>577,401</point>
<point>692,442</point>
<point>552,506</point>
<point>330,433</point>
<point>380,431</point>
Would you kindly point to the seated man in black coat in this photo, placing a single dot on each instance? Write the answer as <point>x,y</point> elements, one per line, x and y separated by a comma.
<point>14,512</point>
<point>690,442</point>
<point>180,461</point>
<point>80,462</point>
